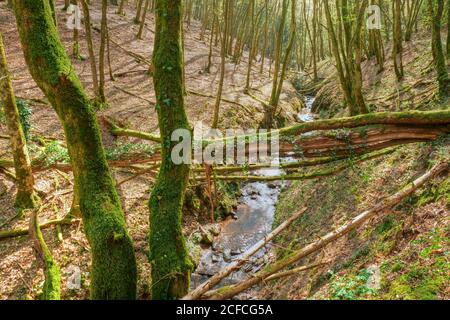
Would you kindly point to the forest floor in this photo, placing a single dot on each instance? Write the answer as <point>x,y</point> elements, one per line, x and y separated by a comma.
<point>131,104</point>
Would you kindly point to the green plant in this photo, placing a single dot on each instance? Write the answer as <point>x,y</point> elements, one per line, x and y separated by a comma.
<point>54,153</point>
<point>351,287</point>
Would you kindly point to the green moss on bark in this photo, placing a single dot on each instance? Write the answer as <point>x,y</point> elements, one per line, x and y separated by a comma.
<point>171,265</point>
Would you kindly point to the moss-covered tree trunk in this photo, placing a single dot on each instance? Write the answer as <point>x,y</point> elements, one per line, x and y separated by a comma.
<point>436,13</point>
<point>25,197</point>
<point>171,265</point>
<point>52,274</point>
<point>223,54</point>
<point>113,271</point>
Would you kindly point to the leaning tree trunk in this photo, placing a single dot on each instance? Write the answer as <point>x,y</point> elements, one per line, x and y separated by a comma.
<point>113,271</point>
<point>171,265</point>
<point>25,197</point>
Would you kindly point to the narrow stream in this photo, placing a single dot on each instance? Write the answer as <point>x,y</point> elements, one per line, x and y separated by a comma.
<point>252,222</point>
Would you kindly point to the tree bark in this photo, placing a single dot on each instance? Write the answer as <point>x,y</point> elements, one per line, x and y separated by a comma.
<point>436,13</point>
<point>52,275</point>
<point>171,265</point>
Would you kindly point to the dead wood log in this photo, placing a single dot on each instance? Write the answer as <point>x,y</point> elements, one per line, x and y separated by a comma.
<point>312,175</point>
<point>6,234</point>
<point>295,271</point>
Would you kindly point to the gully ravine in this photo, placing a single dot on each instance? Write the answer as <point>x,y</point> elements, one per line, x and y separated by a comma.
<point>252,221</point>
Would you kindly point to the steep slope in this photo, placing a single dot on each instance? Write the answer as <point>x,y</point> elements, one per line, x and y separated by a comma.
<point>403,253</point>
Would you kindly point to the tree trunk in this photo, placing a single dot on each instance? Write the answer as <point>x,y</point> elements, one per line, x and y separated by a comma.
<point>448,32</point>
<point>52,275</point>
<point>25,197</point>
<point>397,50</point>
<point>171,265</point>
<point>143,18</point>
<point>120,10</point>
<point>87,27</point>
<point>250,53</point>
<point>138,12</point>
<point>113,271</point>
<point>101,64</point>
<point>222,65</point>
<point>75,42</point>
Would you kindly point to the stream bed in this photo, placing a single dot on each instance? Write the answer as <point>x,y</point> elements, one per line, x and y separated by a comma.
<point>252,221</point>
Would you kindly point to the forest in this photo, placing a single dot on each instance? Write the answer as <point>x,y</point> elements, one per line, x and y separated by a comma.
<point>224,150</point>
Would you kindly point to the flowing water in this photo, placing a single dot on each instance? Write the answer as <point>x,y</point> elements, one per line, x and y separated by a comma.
<point>253,221</point>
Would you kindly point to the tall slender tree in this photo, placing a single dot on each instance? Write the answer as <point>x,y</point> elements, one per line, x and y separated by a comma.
<point>436,10</point>
<point>346,49</point>
<point>223,55</point>
<point>103,40</point>
<point>25,197</point>
<point>171,265</point>
<point>90,45</point>
<point>448,32</point>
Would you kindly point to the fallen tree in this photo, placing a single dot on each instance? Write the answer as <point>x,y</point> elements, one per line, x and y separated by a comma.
<point>360,134</point>
<point>230,291</point>
<point>312,175</point>
<point>411,118</point>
